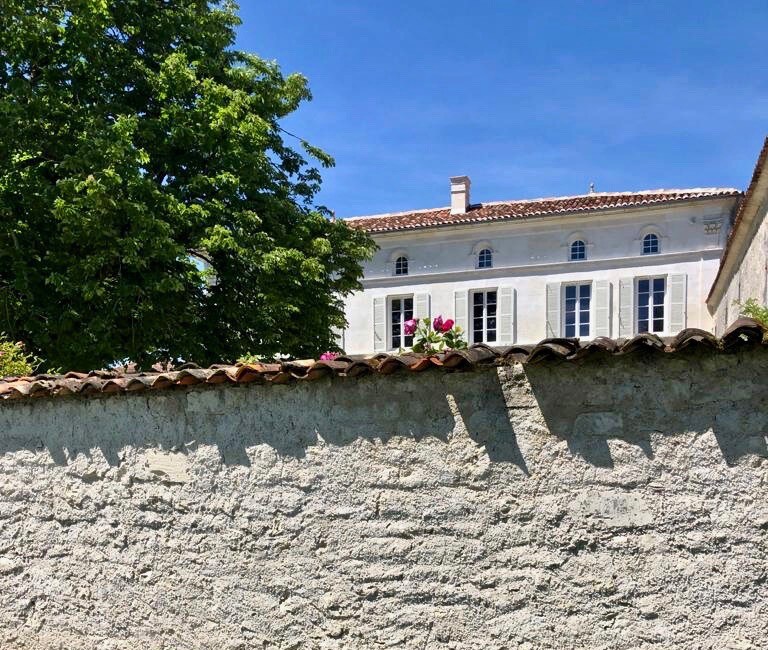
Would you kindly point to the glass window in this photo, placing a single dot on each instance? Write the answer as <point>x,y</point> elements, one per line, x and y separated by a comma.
<point>485,259</point>
<point>650,244</point>
<point>578,250</point>
<point>400,310</point>
<point>484,317</point>
<point>401,265</point>
<point>578,298</point>
<point>650,304</point>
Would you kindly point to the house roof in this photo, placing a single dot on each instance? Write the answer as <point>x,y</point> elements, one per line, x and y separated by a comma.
<point>737,241</point>
<point>744,333</point>
<point>513,210</point>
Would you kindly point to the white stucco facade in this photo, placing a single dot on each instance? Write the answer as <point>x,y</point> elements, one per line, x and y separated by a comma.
<point>531,268</point>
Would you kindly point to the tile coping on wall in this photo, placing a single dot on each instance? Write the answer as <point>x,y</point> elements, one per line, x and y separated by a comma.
<point>743,333</point>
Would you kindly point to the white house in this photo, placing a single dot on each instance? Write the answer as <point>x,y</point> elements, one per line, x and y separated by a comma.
<point>599,264</point>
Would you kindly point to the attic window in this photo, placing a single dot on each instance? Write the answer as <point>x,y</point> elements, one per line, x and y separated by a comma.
<point>578,250</point>
<point>485,259</point>
<point>650,244</point>
<point>401,265</point>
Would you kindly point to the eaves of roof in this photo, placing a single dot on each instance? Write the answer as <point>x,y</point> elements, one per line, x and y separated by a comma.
<point>744,333</point>
<point>738,239</point>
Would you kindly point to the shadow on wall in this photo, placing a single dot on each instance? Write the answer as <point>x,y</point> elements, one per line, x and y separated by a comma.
<point>648,393</point>
<point>630,398</point>
<point>290,418</point>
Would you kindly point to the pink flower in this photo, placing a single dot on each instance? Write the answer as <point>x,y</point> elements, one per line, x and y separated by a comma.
<point>437,324</point>
<point>448,325</point>
<point>409,327</point>
<point>328,356</point>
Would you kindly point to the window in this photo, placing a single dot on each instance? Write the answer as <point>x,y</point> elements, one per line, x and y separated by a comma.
<point>578,298</point>
<point>400,310</point>
<point>650,304</point>
<point>485,259</point>
<point>650,244</point>
<point>484,316</point>
<point>578,250</point>
<point>401,265</point>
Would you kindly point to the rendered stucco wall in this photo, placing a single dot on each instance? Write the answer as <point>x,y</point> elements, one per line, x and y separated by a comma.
<point>620,503</point>
<point>751,278</point>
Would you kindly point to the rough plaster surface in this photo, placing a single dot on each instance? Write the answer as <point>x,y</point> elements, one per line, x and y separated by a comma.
<point>618,504</point>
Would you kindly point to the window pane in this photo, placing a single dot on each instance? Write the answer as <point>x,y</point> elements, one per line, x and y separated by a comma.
<point>491,297</point>
<point>584,329</point>
<point>491,336</point>
<point>570,292</point>
<point>491,310</point>
<point>570,305</point>
<point>477,311</point>
<point>570,330</point>
<point>408,304</point>
<point>658,284</point>
<point>658,311</point>
<point>570,318</point>
<point>491,323</point>
<point>586,290</point>
<point>477,335</point>
<point>477,298</point>
<point>643,286</point>
<point>477,325</point>
<point>396,305</point>
<point>642,313</point>
<point>407,341</point>
<point>642,326</point>
<point>658,325</point>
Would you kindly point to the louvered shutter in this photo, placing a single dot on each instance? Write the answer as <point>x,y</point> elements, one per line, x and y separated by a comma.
<point>626,307</point>
<point>460,313</point>
<point>553,310</point>
<point>379,324</point>
<point>421,305</point>
<point>506,316</point>
<point>602,308</point>
<point>677,303</point>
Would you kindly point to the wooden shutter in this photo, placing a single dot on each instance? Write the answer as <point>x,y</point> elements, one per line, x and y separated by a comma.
<point>421,305</point>
<point>602,289</point>
<point>505,334</point>
<point>553,310</point>
<point>626,307</point>
<point>460,311</point>
<point>677,303</point>
<point>379,324</point>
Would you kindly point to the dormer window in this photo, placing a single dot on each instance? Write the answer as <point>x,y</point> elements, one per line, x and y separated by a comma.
<point>485,259</point>
<point>577,250</point>
<point>401,265</point>
<point>650,244</point>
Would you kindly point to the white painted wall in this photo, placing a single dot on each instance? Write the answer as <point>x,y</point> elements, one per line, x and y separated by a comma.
<point>532,253</point>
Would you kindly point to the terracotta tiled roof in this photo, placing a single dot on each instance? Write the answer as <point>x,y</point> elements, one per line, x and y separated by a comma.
<point>532,208</point>
<point>743,333</point>
<point>761,167</point>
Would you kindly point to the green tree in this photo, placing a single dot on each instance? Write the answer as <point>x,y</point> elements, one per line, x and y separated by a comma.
<point>132,137</point>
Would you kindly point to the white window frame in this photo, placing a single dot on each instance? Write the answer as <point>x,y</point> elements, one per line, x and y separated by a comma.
<point>471,315</point>
<point>570,250</point>
<point>390,299</point>
<point>658,244</point>
<point>407,265</point>
<point>478,264</point>
<point>578,283</point>
<point>636,306</point>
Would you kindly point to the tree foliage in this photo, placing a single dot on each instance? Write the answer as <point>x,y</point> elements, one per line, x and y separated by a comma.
<point>132,136</point>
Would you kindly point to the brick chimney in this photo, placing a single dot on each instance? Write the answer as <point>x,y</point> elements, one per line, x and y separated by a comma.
<point>459,194</point>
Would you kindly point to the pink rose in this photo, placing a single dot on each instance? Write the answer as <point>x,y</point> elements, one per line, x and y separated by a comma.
<point>410,327</point>
<point>328,356</point>
<point>437,324</point>
<point>448,325</point>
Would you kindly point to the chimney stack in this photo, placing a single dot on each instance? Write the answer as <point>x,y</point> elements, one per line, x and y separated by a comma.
<point>459,194</point>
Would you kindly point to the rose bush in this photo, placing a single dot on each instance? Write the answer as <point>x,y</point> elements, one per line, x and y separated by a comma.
<point>434,336</point>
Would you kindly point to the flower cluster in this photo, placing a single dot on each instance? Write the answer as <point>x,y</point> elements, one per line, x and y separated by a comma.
<point>435,336</point>
<point>328,356</point>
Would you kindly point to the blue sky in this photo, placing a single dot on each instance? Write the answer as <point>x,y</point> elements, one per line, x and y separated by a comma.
<point>530,99</point>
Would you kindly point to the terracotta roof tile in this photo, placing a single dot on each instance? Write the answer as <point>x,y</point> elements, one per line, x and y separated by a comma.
<point>510,210</point>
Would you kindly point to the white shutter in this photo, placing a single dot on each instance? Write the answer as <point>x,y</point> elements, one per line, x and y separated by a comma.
<point>677,303</point>
<point>421,305</point>
<point>602,290</point>
<point>626,307</point>
<point>460,313</point>
<point>505,334</point>
<point>379,324</point>
<point>553,310</point>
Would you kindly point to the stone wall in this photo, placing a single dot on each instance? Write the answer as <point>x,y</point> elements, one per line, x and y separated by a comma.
<point>619,503</point>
